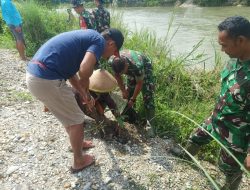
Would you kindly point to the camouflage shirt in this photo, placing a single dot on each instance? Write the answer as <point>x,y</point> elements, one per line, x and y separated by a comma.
<point>102,18</point>
<point>230,119</point>
<point>89,19</point>
<point>140,68</point>
<point>136,64</point>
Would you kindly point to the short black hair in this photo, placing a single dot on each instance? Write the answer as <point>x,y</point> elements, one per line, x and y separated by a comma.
<point>114,34</point>
<point>118,64</point>
<point>235,26</point>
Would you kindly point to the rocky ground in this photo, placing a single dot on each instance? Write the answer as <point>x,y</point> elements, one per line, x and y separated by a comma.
<point>35,153</point>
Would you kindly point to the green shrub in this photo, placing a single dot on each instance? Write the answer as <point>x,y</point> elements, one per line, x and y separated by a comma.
<point>41,23</point>
<point>1,23</point>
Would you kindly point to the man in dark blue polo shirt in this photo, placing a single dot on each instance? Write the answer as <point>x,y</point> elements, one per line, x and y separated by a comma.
<point>70,56</point>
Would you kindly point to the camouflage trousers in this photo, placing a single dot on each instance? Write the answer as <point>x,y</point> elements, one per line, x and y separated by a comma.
<point>147,89</point>
<point>226,162</point>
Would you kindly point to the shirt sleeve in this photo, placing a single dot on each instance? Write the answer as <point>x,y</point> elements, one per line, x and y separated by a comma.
<point>140,76</point>
<point>97,48</point>
<point>139,73</point>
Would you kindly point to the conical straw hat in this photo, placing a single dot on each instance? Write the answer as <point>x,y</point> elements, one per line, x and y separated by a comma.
<point>102,81</point>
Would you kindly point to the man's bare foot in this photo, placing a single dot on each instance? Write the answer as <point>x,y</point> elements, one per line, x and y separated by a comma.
<point>87,145</point>
<point>87,160</point>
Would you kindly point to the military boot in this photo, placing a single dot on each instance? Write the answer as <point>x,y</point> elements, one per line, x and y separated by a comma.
<point>232,181</point>
<point>191,147</point>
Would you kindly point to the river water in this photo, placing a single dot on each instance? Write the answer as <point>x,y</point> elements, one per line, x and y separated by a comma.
<point>193,23</point>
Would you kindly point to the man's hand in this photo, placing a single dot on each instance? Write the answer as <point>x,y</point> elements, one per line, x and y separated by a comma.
<point>83,91</point>
<point>131,103</point>
<point>247,162</point>
<point>85,71</point>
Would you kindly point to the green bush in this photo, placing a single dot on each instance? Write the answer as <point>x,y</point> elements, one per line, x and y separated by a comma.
<point>41,23</point>
<point>1,24</point>
<point>47,3</point>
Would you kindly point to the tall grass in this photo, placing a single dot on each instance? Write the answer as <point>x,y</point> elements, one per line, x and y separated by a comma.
<point>42,23</point>
<point>221,145</point>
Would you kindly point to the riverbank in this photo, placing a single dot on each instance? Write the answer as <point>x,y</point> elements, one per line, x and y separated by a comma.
<point>181,3</point>
<point>35,151</point>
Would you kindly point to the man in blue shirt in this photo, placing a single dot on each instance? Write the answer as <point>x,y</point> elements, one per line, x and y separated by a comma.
<point>70,56</point>
<point>14,21</point>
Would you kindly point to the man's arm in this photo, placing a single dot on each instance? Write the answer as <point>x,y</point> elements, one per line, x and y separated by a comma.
<point>82,83</point>
<point>137,90</point>
<point>86,69</point>
<point>121,86</point>
<point>74,81</point>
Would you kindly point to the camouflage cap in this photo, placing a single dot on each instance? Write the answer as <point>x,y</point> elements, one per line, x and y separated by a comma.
<point>77,3</point>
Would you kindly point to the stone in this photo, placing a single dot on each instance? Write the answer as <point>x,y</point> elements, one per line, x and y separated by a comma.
<point>67,185</point>
<point>12,169</point>
<point>87,186</point>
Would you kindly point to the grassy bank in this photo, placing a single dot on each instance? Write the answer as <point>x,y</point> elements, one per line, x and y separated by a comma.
<point>187,91</point>
<point>205,3</point>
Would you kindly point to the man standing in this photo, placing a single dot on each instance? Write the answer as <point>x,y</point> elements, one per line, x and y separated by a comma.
<point>230,120</point>
<point>13,19</point>
<point>86,20</point>
<point>139,71</point>
<point>101,16</point>
<point>70,56</point>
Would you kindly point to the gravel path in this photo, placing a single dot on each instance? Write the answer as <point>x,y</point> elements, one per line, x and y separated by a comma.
<point>35,151</point>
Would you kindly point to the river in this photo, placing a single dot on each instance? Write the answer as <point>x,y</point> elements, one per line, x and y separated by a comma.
<point>195,24</point>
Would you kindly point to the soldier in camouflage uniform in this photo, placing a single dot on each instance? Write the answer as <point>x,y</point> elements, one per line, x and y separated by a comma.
<point>139,71</point>
<point>230,120</point>
<point>101,16</point>
<point>86,19</point>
